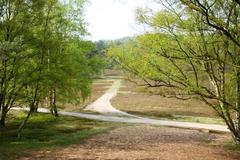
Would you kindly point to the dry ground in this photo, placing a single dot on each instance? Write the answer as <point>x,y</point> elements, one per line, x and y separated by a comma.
<point>131,99</point>
<point>99,87</point>
<point>146,143</point>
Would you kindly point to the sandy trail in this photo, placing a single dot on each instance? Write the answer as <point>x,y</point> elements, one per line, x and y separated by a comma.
<point>103,105</point>
<point>140,141</point>
<point>111,114</point>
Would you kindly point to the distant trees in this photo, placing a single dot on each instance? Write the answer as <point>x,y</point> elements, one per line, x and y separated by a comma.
<point>193,47</point>
<point>43,57</point>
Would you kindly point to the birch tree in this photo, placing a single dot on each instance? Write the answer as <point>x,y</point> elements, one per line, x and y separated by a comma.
<point>193,47</point>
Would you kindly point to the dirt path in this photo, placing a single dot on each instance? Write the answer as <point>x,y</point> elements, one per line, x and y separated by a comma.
<point>143,142</point>
<point>102,105</point>
<point>109,113</point>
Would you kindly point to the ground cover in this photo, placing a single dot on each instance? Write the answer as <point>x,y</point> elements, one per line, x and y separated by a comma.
<point>144,142</point>
<point>46,132</point>
<point>135,100</point>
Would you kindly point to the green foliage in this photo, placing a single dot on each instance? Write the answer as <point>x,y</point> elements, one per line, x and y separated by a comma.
<point>44,59</point>
<point>192,46</point>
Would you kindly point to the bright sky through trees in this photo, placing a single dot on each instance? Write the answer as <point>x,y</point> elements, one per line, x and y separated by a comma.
<point>112,19</point>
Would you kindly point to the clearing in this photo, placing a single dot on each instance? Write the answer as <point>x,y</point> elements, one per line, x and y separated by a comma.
<point>146,143</point>
<point>131,141</point>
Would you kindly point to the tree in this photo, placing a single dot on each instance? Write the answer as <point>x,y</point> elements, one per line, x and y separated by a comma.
<point>44,59</point>
<point>193,47</point>
<point>15,23</point>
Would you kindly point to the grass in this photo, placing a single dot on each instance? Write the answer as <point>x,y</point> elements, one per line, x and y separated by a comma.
<point>204,120</point>
<point>137,100</point>
<point>181,118</point>
<point>46,132</point>
<point>231,145</point>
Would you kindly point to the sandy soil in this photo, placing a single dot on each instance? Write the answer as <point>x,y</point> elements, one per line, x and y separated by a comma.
<point>146,143</point>
<point>102,104</point>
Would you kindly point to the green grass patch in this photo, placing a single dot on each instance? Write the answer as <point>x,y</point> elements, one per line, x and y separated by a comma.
<point>205,120</point>
<point>45,131</point>
<point>232,146</point>
<point>165,116</point>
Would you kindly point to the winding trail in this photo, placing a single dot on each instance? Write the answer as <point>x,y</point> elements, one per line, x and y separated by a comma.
<point>103,105</point>
<point>111,114</point>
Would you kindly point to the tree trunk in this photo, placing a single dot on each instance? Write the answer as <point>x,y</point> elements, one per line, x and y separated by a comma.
<point>31,110</point>
<point>3,93</point>
<point>23,124</point>
<point>36,107</point>
<point>54,103</point>
<point>3,117</point>
<point>237,136</point>
<point>51,102</point>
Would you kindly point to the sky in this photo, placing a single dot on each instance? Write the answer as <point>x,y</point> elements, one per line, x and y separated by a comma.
<point>112,19</point>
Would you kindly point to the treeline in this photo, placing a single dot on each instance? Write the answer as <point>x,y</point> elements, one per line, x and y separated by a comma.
<point>43,59</point>
<point>192,47</point>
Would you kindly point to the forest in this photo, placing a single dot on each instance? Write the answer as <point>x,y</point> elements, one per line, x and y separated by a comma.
<point>44,59</point>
